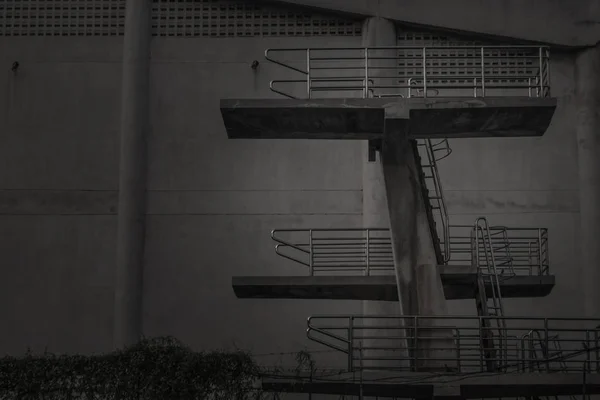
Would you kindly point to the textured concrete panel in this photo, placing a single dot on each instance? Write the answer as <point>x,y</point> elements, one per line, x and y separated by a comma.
<point>555,22</point>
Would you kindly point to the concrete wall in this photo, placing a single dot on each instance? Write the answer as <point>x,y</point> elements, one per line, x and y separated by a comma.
<point>565,23</point>
<point>212,201</point>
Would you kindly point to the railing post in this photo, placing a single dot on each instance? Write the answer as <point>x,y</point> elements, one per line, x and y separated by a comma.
<point>458,349</point>
<point>351,344</point>
<point>424,71</point>
<point>547,62</point>
<point>482,71</point>
<point>540,250</point>
<point>482,342</point>
<point>529,86</point>
<point>366,90</point>
<point>597,350</point>
<point>475,87</point>
<point>546,345</point>
<point>415,345</point>
<point>308,80</point>
<point>310,253</point>
<point>541,71</point>
<point>368,253</point>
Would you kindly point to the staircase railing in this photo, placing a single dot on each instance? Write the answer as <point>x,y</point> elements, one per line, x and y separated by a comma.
<point>437,201</point>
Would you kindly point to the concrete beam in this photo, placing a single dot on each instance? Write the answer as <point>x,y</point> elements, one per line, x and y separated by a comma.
<point>562,23</point>
<point>356,119</point>
<point>428,386</point>
<point>458,285</point>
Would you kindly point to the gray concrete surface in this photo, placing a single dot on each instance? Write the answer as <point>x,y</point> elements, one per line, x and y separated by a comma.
<point>377,32</point>
<point>356,119</point>
<point>564,23</point>
<point>420,288</point>
<point>212,201</point>
<point>587,81</point>
<point>133,165</point>
<point>458,285</point>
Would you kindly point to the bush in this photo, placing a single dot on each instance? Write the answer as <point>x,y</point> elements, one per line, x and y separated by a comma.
<point>160,368</point>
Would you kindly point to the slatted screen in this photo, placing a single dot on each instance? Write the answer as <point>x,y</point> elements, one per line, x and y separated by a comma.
<point>505,65</point>
<point>183,18</point>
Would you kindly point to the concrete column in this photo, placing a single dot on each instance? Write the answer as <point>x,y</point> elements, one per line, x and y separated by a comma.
<point>419,284</point>
<point>132,174</point>
<point>587,90</point>
<point>379,32</point>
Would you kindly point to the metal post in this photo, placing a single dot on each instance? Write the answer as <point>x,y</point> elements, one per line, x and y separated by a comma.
<point>131,219</point>
<point>415,343</point>
<point>424,71</point>
<point>308,81</point>
<point>546,345</point>
<point>483,72</point>
<point>547,62</point>
<point>310,253</point>
<point>351,344</point>
<point>540,250</point>
<point>541,71</point>
<point>366,91</point>
<point>368,250</point>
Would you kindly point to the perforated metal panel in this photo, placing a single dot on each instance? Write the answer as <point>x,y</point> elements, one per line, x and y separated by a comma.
<point>186,18</point>
<point>456,65</point>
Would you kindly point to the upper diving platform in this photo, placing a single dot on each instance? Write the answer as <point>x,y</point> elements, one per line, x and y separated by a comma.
<point>424,92</point>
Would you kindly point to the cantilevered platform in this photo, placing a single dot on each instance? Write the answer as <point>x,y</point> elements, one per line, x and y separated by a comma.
<point>366,119</point>
<point>459,283</point>
<point>428,386</point>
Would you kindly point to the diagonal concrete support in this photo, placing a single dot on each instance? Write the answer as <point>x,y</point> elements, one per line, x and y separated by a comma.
<point>420,287</point>
<point>378,32</point>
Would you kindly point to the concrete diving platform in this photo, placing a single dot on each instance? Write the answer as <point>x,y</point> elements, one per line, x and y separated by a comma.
<point>447,386</point>
<point>369,118</point>
<point>459,283</point>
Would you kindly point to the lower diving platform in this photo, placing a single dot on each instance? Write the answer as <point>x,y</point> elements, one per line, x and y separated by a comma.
<point>459,283</point>
<point>433,386</point>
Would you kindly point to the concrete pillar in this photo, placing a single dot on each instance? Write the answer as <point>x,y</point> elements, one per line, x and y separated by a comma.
<point>132,174</point>
<point>419,284</point>
<point>378,32</point>
<point>587,90</point>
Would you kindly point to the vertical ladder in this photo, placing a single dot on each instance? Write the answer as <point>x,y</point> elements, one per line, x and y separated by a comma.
<point>548,355</point>
<point>433,193</point>
<point>490,308</point>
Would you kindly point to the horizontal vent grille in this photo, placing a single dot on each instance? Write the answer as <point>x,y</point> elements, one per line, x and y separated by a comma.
<point>183,18</point>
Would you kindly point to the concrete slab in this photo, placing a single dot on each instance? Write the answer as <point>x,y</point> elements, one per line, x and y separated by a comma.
<point>364,119</point>
<point>457,285</point>
<point>428,385</point>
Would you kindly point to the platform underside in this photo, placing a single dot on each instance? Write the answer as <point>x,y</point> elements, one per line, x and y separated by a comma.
<point>366,119</point>
<point>457,285</point>
<point>428,386</point>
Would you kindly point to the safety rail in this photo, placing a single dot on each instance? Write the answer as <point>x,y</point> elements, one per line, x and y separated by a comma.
<point>409,71</point>
<point>394,342</point>
<point>433,183</point>
<point>368,251</point>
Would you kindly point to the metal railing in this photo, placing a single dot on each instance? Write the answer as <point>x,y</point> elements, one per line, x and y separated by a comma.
<point>433,183</point>
<point>408,71</point>
<point>393,342</point>
<point>368,251</point>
